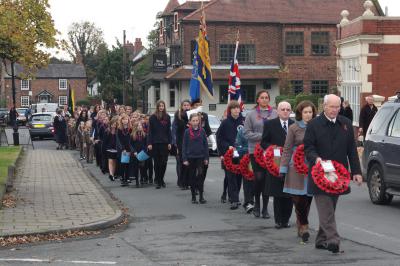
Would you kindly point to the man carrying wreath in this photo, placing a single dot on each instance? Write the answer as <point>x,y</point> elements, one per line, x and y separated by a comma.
<point>330,137</point>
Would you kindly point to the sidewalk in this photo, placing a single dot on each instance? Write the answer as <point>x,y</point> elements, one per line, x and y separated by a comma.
<point>54,193</point>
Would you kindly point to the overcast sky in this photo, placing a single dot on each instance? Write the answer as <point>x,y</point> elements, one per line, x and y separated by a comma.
<point>136,17</point>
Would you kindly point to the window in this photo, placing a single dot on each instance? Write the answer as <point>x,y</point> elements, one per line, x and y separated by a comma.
<point>351,92</point>
<point>297,86</point>
<point>25,101</point>
<point>320,43</point>
<point>62,84</point>
<point>248,93</point>
<point>394,126</point>
<point>319,87</point>
<point>162,28</point>
<point>25,84</point>
<point>156,94</point>
<point>246,53</point>
<point>175,22</point>
<point>223,94</point>
<point>172,98</point>
<point>62,100</point>
<point>294,42</point>
<point>379,120</point>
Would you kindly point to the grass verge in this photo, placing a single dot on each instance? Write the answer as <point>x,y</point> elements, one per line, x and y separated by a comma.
<point>8,156</point>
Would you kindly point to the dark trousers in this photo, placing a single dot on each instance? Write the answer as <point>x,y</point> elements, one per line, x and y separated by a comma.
<point>302,204</point>
<point>149,168</point>
<point>97,152</point>
<point>282,209</point>
<point>248,191</point>
<point>160,157</point>
<point>260,187</point>
<point>139,168</point>
<point>196,174</point>
<point>327,232</point>
<point>181,171</point>
<point>124,171</point>
<point>234,184</point>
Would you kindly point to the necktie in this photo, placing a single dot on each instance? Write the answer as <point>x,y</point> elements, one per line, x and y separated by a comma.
<point>285,127</point>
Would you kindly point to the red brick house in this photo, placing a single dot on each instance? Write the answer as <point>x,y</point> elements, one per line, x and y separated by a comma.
<point>283,44</point>
<point>369,62</point>
<point>49,86</point>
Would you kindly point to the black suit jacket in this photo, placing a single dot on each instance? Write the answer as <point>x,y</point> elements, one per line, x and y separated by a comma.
<point>330,142</point>
<point>273,133</point>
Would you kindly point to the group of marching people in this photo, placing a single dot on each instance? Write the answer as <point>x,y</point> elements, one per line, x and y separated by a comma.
<point>129,145</point>
<point>324,138</point>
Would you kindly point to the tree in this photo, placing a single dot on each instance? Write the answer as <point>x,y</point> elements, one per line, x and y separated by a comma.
<point>109,74</point>
<point>153,37</point>
<point>85,41</point>
<point>26,31</point>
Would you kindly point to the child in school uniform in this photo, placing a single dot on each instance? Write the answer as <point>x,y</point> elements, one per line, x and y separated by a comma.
<point>195,156</point>
<point>79,136</point>
<point>124,146</point>
<point>88,140</point>
<point>71,133</point>
<point>148,162</point>
<point>139,144</point>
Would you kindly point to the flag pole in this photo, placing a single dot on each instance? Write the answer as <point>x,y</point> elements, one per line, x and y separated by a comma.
<point>237,44</point>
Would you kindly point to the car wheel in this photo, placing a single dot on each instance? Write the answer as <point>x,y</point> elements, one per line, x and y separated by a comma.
<point>377,186</point>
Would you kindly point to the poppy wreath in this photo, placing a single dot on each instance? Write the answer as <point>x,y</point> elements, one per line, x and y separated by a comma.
<point>245,168</point>
<point>339,186</point>
<point>272,166</point>
<point>259,156</point>
<point>229,165</point>
<point>299,163</point>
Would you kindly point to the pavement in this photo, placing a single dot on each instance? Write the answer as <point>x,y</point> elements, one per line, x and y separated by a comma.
<point>54,194</point>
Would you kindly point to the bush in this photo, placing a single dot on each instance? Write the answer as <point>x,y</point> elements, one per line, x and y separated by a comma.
<point>307,97</point>
<point>83,102</point>
<point>287,98</point>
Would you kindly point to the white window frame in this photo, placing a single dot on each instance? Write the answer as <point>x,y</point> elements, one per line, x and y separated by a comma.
<point>59,84</point>
<point>65,102</point>
<point>24,98</point>
<point>176,22</point>
<point>24,88</point>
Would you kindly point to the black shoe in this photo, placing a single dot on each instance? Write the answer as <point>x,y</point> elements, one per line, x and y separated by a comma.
<point>223,199</point>
<point>321,246</point>
<point>124,184</point>
<point>334,248</point>
<point>112,178</point>
<point>278,226</point>
<point>194,200</point>
<point>305,236</point>
<point>163,185</point>
<point>158,186</point>
<point>150,181</point>
<point>265,215</point>
<point>248,207</point>
<point>201,199</point>
<point>285,225</point>
<point>234,206</point>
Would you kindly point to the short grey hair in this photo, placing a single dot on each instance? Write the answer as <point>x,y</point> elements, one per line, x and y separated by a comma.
<point>326,98</point>
<point>284,103</point>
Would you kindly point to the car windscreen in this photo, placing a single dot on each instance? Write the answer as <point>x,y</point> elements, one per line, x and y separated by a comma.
<point>41,118</point>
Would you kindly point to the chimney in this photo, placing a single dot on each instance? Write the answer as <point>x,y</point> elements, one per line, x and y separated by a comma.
<point>138,45</point>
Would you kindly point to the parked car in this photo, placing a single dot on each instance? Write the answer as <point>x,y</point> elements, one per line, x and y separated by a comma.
<point>381,155</point>
<point>21,118</point>
<point>214,125</point>
<point>41,125</point>
<point>3,116</point>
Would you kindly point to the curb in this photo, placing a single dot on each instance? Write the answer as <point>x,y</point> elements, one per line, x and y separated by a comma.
<point>98,225</point>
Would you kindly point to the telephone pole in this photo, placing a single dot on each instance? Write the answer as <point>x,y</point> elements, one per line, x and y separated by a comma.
<point>124,75</point>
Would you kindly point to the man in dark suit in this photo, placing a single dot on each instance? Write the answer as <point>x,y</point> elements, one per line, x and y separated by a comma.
<point>367,113</point>
<point>330,137</point>
<point>274,133</point>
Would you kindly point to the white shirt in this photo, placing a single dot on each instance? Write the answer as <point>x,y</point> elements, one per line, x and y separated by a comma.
<point>330,119</point>
<point>286,122</point>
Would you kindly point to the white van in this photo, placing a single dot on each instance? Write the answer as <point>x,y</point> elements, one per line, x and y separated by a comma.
<point>44,107</point>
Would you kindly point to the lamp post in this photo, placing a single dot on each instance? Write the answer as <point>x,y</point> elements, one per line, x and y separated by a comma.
<point>14,123</point>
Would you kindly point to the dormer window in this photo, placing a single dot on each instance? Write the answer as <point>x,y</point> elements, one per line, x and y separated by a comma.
<point>162,27</point>
<point>175,21</point>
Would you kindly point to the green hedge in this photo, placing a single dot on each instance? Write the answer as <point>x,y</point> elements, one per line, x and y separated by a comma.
<point>286,98</point>
<point>307,97</point>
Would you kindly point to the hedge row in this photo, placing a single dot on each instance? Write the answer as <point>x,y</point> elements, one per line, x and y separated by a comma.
<point>295,100</point>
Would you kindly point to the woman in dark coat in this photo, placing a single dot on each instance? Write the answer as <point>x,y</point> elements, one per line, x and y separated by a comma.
<point>60,128</point>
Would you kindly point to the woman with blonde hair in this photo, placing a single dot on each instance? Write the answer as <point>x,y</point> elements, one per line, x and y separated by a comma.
<point>124,148</point>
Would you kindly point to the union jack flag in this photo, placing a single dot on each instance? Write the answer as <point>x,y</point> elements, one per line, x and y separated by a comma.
<point>234,92</point>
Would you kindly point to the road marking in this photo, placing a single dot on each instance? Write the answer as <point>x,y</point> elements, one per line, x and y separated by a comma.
<point>371,232</point>
<point>210,180</point>
<point>65,261</point>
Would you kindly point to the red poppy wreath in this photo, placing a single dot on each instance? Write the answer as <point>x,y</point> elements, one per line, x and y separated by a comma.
<point>229,165</point>
<point>245,168</point>
<point>333,186</point>
<point>271,161</point>
<point>299,163</point>
<point>259,156</point>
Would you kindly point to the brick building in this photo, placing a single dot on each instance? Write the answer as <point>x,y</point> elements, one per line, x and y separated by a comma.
<point>369,61</point>
<point>50,85</point>
<point>283,44</point>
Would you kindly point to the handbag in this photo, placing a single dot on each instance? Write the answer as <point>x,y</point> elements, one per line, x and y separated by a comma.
<point>125,157</point>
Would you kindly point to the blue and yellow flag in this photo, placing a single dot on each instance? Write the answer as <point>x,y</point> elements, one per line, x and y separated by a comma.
<point>201,73</point>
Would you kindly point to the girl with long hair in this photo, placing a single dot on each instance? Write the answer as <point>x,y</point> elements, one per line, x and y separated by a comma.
<point>159,141</point>
<point>124,148</point>
<point>109,145</point>
<point>138,138</point>
<point>253,130</point>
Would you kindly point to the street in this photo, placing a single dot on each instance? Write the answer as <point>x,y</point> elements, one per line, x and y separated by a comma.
<point>166,229</point>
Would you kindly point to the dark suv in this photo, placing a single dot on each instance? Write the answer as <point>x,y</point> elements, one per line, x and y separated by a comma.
<point>381,156</point>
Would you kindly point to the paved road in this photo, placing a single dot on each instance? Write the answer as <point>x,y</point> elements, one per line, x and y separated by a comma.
<point>166,229</point>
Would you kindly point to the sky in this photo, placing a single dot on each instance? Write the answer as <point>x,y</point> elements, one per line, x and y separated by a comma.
<point>137,17</point>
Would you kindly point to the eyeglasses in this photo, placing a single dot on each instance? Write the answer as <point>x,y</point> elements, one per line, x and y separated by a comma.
<point>286,109</point>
